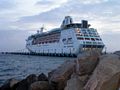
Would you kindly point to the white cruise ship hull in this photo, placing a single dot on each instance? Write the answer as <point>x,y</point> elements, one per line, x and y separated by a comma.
<point>58,47</point>
<point>69,39</point>
<point>72,48</point>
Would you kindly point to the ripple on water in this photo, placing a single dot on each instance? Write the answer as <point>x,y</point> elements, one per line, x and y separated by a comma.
<point>20,66</point>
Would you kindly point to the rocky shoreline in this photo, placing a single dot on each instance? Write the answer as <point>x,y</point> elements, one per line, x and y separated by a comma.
<point>90,71</point>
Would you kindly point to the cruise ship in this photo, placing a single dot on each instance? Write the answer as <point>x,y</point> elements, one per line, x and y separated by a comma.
<point>69,39</point>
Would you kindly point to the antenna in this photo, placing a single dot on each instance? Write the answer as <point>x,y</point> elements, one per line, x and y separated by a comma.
<point>42,28</point>
<point>38,31</point>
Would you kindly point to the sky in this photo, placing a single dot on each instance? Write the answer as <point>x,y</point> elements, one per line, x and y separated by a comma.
<point>21,18</point>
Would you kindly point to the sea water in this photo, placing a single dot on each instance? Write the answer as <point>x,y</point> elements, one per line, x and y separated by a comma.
<point>20,66</point>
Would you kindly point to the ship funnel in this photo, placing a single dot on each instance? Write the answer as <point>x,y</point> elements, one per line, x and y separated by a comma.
<point>66,21</point>
<point>85,24</point>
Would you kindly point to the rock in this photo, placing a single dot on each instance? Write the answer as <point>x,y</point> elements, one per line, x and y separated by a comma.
<point>13,82</point>
<point>106,75</point>
<point>74,83</point>
<point>31,78</point>
<point>59,76</point>
<point>9,85</point>
<point>6,86</point>
<point>25,83</point>
<point>86,62</point>
<point>42,77</point>
<point>84,78</point>
<point>40,85</point>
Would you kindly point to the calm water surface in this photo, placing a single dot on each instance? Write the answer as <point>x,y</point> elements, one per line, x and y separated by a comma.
<point>20,66</point>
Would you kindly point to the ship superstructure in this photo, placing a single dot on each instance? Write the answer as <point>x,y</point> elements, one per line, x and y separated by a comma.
<point>70,39</point>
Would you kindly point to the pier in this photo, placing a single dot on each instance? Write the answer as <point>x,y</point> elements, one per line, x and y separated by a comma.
<point>40,54</point>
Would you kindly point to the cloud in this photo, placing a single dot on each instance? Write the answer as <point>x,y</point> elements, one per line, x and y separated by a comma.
<point>9,16</point>
<point>50,2</point>
<point>102,14</point>
<point>95,13</point>
<point>46,2</point>
<point>6,4</point>
<point>92,1</point>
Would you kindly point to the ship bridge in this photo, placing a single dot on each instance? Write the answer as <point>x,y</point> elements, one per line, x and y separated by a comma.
<point>68,23</point>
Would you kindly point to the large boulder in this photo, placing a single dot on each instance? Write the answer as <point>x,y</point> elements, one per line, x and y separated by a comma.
<point>74,83</point>
<point>31,78</point>
<point>40,85</point>
<point>25,83</point>
<point>84,78</point>
<point>42,77</point>
<point>86,62</point>
<point>9,85</point>
<point>22,85</point>
<point>59,76</point>
<point>106,75</point>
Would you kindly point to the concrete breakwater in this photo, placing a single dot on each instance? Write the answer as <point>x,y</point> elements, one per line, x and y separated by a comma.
<point>90,71</point>
<point>41,54</point>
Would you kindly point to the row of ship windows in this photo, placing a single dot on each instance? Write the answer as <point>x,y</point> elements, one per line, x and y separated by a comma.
<point>86,30</point>
<point>87,35</point>
<point>53,41</point>
<point>88,49</point>
<point>93,39</point>
<point>93,46</point>
<point>95,43</point>
<point>34,43</point>
<point>55,50</point>
<point>46,37</point>
<point>89,32</point>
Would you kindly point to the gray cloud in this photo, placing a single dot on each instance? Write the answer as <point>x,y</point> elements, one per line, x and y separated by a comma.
<point>45,2</point>
<point>6,4</point>
<point>105,11</point>
<point>100,11</point>
<point>46,17</point>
